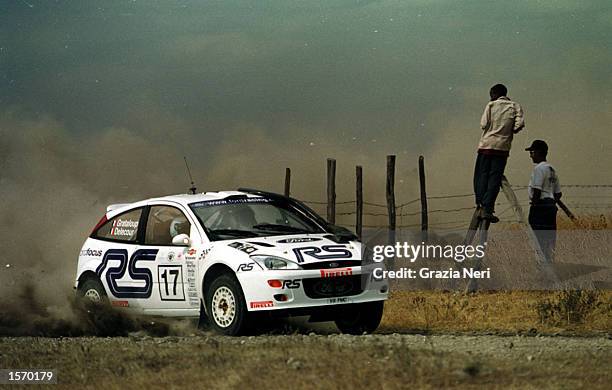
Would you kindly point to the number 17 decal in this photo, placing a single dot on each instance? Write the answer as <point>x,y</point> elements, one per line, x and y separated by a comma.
<point>170,279</point>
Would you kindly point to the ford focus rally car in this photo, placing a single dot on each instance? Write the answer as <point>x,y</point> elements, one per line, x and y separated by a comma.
<point>228,257</point>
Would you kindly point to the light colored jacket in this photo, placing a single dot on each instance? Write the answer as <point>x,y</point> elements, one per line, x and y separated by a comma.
<point>500,120</point>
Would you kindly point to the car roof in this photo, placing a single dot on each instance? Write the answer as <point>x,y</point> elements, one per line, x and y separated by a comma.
<point>202,197</point>
<point>184,199</point>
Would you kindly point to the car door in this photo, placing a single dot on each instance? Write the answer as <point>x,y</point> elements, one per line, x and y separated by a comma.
<point>174,268</point>
<point>126,284</point>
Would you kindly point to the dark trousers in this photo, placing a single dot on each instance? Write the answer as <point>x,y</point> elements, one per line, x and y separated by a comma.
<point>543,221</point>
<point>488,175</point>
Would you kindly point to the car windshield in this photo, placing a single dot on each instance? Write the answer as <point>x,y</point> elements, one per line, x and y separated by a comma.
<point>240,216</point>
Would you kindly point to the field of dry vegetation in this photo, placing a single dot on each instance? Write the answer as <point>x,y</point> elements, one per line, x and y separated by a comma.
<point>584,253</point>
<point>572,312</point>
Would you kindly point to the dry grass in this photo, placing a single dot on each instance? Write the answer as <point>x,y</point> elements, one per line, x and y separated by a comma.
<point>586,222</point>
<point>547,312</point>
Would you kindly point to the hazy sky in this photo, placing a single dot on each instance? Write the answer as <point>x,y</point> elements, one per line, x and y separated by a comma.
<point>243,87</point>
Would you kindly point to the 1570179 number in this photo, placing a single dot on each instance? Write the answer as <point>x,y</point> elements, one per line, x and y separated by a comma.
<point>27,376</point>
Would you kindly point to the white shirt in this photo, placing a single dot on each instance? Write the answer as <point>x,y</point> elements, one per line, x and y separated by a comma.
<point>545,179</point>
<point>500,119</point>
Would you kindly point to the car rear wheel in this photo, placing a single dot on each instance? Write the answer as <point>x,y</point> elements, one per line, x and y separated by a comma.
<point>361,318</point>
<point>91,292</point>
<point>226,306</point>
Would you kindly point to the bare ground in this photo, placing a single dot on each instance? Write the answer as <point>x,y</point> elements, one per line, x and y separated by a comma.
<point>389,361</point>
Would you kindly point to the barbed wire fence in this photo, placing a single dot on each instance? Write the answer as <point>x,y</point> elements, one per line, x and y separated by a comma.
<point>597,201</point>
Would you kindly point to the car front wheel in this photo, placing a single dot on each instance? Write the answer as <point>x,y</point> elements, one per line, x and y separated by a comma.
<point>226,306</point>
<point>361,318</point>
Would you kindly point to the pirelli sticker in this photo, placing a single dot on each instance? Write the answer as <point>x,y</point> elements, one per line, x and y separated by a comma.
<point>261,304</point>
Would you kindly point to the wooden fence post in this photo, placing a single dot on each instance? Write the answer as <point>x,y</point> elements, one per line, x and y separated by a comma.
<point>424,218</point>
<point>359,201</point>
<point>287,181</point>
<point>391,197</point>
<point>331,190</point>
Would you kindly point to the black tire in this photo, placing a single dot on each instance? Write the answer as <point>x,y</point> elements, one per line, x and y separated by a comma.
<point>203,321</point>
<point>361,318</point>
<point>98,316</point>
<point>91,292</point>
<point>226,306</point>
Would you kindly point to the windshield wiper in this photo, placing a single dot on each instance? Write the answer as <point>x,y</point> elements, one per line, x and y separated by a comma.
<point>234,232</point>
<point>280,228</point>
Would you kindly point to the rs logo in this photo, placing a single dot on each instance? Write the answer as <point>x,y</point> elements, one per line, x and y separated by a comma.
<point>246,267</point>
<point>291,284</point>
<point>334,252</point>
<point>117,272</point>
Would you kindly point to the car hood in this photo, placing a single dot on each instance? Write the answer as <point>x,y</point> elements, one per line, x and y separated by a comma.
<point>300,248</point>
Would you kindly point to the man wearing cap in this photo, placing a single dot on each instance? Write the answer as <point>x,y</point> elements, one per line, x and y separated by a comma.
<point>544,190</point>
<point>502,118</point>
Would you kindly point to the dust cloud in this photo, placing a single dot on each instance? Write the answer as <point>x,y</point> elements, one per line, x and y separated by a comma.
<point>55,186</point>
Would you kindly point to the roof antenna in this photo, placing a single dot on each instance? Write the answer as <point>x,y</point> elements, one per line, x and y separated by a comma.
<point>192,189</point>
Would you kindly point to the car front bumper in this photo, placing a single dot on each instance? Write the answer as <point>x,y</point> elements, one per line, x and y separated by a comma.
<point>293,289</point>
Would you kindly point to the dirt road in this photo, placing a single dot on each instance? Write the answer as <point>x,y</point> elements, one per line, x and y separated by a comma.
<point>321,361</point>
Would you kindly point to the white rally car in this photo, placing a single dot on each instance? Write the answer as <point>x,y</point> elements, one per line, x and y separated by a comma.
<point>224,256</point>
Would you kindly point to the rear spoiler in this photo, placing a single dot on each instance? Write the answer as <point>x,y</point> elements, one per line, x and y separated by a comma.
<point>343,234</point>
<point>116,206</point>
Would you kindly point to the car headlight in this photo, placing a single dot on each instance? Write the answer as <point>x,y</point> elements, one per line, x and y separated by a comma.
<point>274,262</point>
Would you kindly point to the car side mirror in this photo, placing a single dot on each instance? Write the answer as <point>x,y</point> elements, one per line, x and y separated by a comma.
<point>181,240</point>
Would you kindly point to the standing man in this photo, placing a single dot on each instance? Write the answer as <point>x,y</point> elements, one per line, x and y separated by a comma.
<point>544,190</point>
<point>502,118</point>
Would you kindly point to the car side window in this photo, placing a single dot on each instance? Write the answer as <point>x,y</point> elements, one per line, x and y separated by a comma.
<point>164,223</point>
<point>123,227</point>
